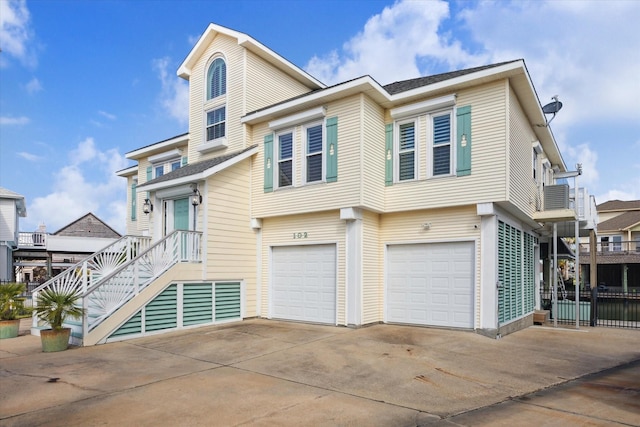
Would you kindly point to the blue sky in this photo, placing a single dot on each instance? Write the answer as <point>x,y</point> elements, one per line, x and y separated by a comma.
<point>84,82</point>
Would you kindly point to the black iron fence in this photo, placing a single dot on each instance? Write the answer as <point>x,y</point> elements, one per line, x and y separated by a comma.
<point>598,307</point>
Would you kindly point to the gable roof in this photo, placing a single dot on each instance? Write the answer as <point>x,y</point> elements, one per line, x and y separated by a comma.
<point>621,222</point>
<point>197,171</point>
<point>618,205</point>
<point>88,225</point>
<point>253,46</point>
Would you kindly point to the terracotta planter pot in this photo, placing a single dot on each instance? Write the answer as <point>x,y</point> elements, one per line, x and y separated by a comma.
<point>55,339</point>
<point>9,328</point>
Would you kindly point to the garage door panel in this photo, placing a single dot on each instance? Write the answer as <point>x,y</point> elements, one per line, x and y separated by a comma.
<point>304,283</point>
<point>431,284</point>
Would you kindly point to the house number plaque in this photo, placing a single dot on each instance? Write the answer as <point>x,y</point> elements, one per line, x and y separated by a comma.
<point>301,235</point>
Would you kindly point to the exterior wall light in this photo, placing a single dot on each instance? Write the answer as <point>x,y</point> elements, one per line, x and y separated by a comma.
<point>196,198</point>
<point>147,206</point>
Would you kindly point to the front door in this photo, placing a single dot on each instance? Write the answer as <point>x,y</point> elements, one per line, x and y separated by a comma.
<point>181,222</point>
<point>181,214</point>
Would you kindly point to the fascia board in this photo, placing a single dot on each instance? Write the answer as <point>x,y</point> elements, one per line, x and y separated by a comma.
<point>160,146</point>
<point>377,92</point>
<point>184,70</point>
<point>128,171</point>
<point>198,176</point>
<point>250,44</point>
<point>365,83</point>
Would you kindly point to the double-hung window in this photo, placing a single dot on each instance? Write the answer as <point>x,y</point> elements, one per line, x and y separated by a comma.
<point>285,159</point>
<point>313,158</point>
<point>407,157</point>
<point>159,170</point>
<point>216,120</point>
<point>442,144</point>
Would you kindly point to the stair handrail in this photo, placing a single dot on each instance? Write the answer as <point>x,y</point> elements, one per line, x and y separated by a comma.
<point>195,255</point>
<point>66,281</point>
<point>83,263</point>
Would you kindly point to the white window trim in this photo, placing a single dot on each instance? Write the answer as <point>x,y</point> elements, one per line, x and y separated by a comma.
<point>323,153</point>
<point>276,169</point>
<point>452,142</point>
<point>417,108</point>
<point>416,150</point>
<point>215,56</point>
<point>218,143</point>
<point>166,156</point>
<point>296,119</point>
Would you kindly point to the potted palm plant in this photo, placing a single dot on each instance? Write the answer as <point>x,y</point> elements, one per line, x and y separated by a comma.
<point>53,307</point>
<point>11,304</point>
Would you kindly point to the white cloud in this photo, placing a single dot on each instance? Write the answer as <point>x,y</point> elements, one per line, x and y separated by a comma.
<point>29,156</point>
<point>34,86</point>
<point>11,121</point>
<point>579,50</point>
<point>83,186</point>
<point>174,96</point>
<point>107,115</point>
<point>402,42</point>
<point>15,32</point>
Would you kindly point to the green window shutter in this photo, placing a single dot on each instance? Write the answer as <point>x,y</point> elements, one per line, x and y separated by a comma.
<point>149,173</point>
<point>134,204</point>
<point>184,161</point>
<point>268,163</point>
<point>332,149</point>
<point>388,154</point>
<point>463,138</point>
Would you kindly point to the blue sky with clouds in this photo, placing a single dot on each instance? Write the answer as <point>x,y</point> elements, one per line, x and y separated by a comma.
<point>84,82</point>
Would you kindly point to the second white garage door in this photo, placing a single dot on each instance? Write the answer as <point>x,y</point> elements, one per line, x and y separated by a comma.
<point>431,284</point>
<point>304,283</point>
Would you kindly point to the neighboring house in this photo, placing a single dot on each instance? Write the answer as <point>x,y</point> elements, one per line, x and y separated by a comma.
<point>41,255</point>
<point>350,205</point>
<point>618,244</point>
<point>12,207</point>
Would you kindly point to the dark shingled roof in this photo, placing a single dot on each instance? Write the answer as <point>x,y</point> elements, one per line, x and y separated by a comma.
<point>405,85</point>
<point>397,87</point>
<point>195,168</point>
<point>620,222</point>
<point>618,205</point>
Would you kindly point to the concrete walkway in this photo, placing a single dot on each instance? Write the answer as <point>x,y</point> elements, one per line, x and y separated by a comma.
<point>261,372</point>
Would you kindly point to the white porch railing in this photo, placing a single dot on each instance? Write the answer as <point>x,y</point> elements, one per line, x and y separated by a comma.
<point>115,289</point>
<point>89,271</point>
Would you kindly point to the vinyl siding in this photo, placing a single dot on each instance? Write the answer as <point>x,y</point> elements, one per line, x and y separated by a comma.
<point>523,191</point>
<point>486,182</point>
<point>372,155</point>
<point>317,196</point>
<point>321,228</point>
<point>266,85</point>
<point>446,225</point>
<point>233,56</point>
<point>372,267</point>
<point>230,241</point>
<point>8,220</point>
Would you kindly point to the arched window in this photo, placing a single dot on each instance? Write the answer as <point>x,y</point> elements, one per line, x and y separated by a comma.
<point>217,79</point>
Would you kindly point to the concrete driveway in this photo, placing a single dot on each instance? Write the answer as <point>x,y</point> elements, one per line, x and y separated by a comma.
<point>261,372</point>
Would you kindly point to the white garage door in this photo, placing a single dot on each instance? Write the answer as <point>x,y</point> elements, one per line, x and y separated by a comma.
<point>431,284</point>
<point>304,283</point>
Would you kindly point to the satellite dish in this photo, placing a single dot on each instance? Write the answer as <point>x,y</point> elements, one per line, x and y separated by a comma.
<point>552,108</point>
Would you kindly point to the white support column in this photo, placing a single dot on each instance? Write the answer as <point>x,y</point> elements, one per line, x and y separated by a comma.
<point>353,267</point>
<point>256,225</point>
<point>555,275</point>
<point>489,267</point>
